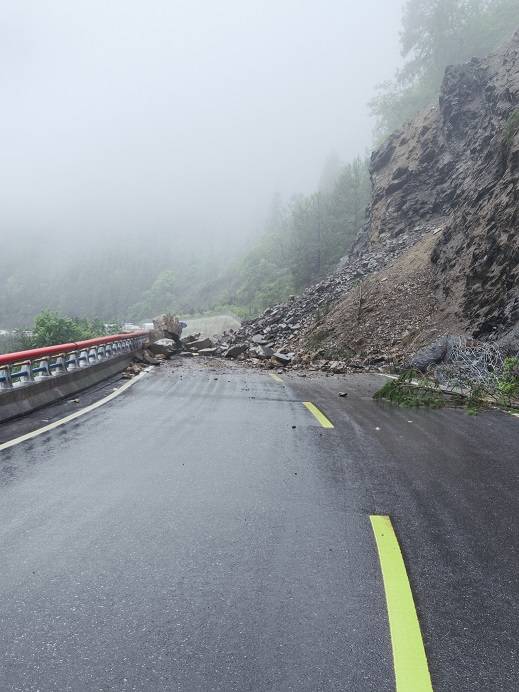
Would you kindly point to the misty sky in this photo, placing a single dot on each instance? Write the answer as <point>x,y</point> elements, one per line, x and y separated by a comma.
<point>125,116</point>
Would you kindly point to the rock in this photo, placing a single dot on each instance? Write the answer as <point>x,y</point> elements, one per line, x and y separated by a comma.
<point>169,325</point>
<point>337,367</point>
<point>235,351</point>
<point>430,355</point>
<point>192,337</point>
<point>343,394</point>
<point>146,357</point>
<point>201,344</point>
<point>259,339</point>
<point>282,358</point>
<point>208,352</point>
<point>132,370</point>
<point>166,347</point>
<point>263,352</point>
<point>187,354</point>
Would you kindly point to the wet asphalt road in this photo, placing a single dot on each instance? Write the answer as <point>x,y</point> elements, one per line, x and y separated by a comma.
<point>187,536</point>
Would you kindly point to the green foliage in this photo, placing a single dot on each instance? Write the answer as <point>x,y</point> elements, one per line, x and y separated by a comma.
<point>322,227</point>
<point>508,382</point>
<point>435,34</point>
<point>15,341</point>
<point>476,400</point>
<point>51,328</point>
<point>412,390</point>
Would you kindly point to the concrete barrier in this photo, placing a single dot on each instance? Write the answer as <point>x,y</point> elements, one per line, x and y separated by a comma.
<point>27,398</point>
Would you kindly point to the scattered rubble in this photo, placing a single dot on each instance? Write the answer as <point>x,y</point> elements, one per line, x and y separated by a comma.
<point>133,369</point>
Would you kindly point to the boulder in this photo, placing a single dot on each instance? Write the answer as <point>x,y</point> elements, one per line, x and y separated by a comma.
<point>169,325</point>
<point>282,358</point>
<point>166,347</point>
<point>208,351</point>
<point>262,352</point>
<point>201,344</point>
<point>430,355</point>
<point>235,351</point>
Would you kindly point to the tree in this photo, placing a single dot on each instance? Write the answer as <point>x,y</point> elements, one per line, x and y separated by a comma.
<point>330,174</point>
<point>435,34</point>
<point>51,328</point>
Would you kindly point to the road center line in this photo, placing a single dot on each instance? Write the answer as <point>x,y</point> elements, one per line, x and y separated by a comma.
<point>323,420</point>
<point>409,658</point>
<point>276,377</point>
<point>73,416</point>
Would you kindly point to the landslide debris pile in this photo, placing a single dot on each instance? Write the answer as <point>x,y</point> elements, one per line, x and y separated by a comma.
<point>166,341</point>
<point>440,251</point>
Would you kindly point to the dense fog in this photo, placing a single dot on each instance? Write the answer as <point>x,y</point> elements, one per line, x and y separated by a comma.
<point>178,119</point>
<point>143,144</point>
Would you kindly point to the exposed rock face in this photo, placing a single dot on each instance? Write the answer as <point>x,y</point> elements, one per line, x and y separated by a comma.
<point>457,167</point>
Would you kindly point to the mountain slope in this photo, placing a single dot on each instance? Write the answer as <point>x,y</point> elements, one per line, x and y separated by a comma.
<point>448,181</point>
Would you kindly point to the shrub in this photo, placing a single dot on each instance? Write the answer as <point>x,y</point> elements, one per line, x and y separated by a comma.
<point>412,390</point>
<point>508,381</point>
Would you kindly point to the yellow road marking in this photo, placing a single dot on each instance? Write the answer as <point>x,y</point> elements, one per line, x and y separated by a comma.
<point>276,377</point>
<point>323,420</point>
<point>73,416</point>
<point>409,658</point>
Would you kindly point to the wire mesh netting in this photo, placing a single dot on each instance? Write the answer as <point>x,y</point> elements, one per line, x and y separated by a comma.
<point>469,364</point>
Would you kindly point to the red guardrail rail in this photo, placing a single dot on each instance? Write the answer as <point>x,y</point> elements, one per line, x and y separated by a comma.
<point>24,368</point>
<point>61,349</point>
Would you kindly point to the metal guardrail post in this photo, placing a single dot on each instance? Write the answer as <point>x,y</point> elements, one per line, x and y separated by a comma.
<point>83,358</point>
<point>25,367</point>
<point>23,375</point>
<point>71,362</point>
<point>5,377</point>
<point>58,366</point>
<point>41,370</point>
